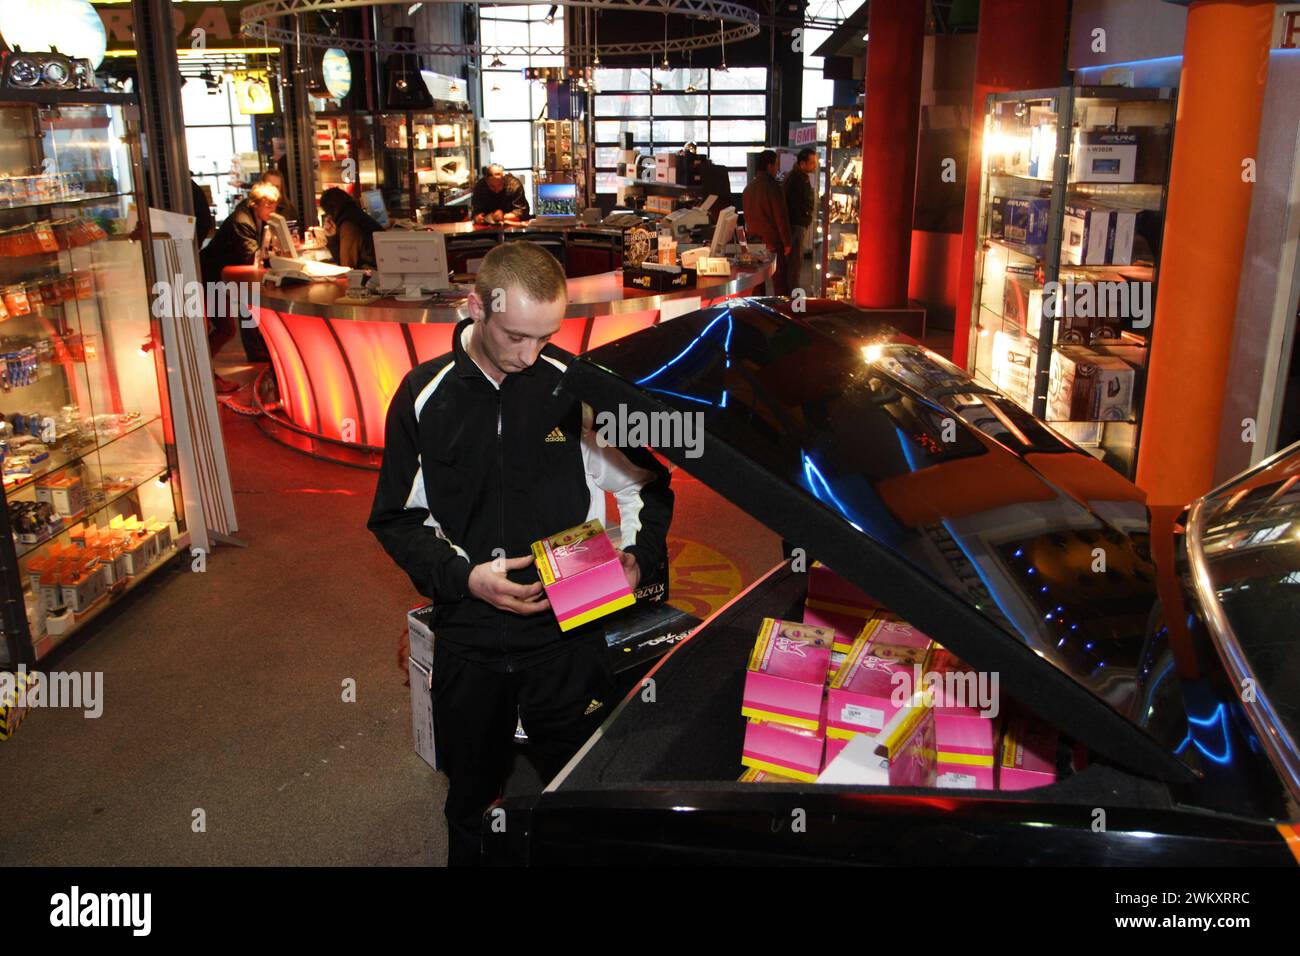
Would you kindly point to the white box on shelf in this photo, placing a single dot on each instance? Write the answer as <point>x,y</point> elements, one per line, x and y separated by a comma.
<point>1086,234</point>
<point>1103,157</point>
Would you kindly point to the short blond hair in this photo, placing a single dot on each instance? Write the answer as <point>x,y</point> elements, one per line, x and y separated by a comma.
<point>264,192</point>
<point>522,265</point>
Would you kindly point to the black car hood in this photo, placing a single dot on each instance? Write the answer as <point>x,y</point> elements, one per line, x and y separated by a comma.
<point>952,506</point>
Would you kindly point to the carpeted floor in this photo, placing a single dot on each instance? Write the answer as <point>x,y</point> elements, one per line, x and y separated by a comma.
<point>223,691</point>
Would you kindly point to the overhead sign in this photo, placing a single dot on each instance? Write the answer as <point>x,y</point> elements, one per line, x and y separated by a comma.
<point>218,20</point>
<point>253,92</point>
<point>803,134</point>
<point>1286,26</point>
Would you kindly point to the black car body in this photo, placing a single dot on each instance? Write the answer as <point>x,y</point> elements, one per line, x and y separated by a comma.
<point>981,526</point>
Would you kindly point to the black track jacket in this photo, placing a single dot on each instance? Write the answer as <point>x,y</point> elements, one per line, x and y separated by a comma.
<point>469,467</point>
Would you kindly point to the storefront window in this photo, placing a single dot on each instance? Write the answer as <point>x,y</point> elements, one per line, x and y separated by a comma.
<point>215,134</point>
<point>724,115</point>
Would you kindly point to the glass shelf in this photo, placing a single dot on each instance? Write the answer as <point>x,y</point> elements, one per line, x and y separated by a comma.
<point>61,458</point>
<point>74,200</point>
<point>25,548</point>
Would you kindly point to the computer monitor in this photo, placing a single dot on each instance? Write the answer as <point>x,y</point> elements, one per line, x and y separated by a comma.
<point>372,200</point>
<point>557,199</point>
<point>724,232</point>
<point>283,236</point>
<point>411,258</point>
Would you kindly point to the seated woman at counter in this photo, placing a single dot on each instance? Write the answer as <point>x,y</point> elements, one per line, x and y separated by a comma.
<point>350,229</point>
<point>499,197</point>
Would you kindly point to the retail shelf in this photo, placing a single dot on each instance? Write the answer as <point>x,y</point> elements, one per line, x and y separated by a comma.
<point>80,199</point>
<point>61,458</point>
<point>106,602</point>
<point>69,523</point>
<point>1047,183</point>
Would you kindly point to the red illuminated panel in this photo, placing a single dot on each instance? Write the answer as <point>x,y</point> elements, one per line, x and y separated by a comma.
<point>331,385</point>
<point>431,340</point>
<point>289,370</point>
<point>607,328</point>
<point>379,358</point>
<point>570,335</point>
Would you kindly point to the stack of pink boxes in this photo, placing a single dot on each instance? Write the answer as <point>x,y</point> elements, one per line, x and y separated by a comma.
<point>784,699</point>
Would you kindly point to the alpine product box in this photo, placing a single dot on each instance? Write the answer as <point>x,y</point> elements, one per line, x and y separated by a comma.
<point>860,699</point>
<point>792,752</point>
<point>1021,220</point>
<point>1084,386</point>
<point>1084,235</point>
<point>582,575</point>
<point>1028,754</point>
<point>786,676</point>
<point>419,662</point>
<point>1097,157</point>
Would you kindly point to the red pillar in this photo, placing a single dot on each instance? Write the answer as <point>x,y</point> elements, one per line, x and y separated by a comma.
<point>1021,46</point>
<point>889,131</point>
<point>1220,102</point>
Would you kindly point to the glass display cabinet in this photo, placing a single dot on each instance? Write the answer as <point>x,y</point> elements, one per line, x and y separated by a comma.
<point>428,162</point>
<point>90,505</point>
<point>1072,207</point>
<point>840,127</point>
<point>346,153</point>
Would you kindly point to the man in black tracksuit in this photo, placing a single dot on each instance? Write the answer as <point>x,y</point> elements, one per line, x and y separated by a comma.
<point>482,458</point>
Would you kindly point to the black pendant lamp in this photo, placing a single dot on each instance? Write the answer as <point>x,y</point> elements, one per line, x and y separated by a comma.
<point>404,87</point>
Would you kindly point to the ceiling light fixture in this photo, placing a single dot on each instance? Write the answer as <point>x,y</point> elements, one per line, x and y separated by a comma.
<point>412,8</point>
<point>550,14</point>
<point>722,37</point>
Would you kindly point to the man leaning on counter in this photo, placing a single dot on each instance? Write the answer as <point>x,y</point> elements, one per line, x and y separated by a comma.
<point>499,197</point>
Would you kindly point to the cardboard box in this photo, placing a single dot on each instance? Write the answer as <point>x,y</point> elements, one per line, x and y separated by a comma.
<point>1085,386</point>
<point>860,699</point>
<point>1028,754</point>
<point>786,676</point>
<point>1086,234</point>
<point>1119,242</point>
<point>827,591</point>
<point>1013,367</point>
<point>419,661</point>
<point>1025,220</point>
<point>789,751</point>
<point>582,575</point>
<point>1098,157</point>
<point>901,755</point>
<point>895,640</point>
<point>846,626</point>
<point>664,279</point>
<point>1022,298</point>
<point>753,775</point>
<point>965,736</point>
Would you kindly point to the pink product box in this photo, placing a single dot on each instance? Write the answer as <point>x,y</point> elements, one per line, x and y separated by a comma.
<point>582,575</point>
<point>787,751</point>
<point>827,591</point>
<point>1028,757</point>
<point>901,755</point>
<point>846,627</point>
<point>896,640</point>
<point>965,735</point>
<point>860,699</point>
<point>787,671</point>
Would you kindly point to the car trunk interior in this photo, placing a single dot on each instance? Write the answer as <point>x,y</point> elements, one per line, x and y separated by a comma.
<point>690,735</point>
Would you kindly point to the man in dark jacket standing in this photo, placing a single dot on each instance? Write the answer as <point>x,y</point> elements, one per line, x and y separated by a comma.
<point>799,204</point>
<point>482,457</point>
<point>766,219</point>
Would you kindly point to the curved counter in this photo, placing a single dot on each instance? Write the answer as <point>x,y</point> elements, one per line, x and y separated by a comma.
<point>337,360</point>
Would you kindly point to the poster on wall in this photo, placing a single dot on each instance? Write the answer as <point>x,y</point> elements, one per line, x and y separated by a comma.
<point>253,92</point>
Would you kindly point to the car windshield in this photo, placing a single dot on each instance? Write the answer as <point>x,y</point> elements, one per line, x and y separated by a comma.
<point>1251,541</point>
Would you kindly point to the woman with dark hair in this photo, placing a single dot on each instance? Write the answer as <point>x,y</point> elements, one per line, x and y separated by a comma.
<point>351,241</point>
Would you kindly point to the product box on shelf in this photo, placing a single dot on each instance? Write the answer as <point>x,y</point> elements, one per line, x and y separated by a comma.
<point>582,575</point>
<point>1025,220</point>
<point>846,627</point>
<point>790,751</point>
<point>83,585</point>
<point>1027,756</point>
<point>421,640</point>
<point>901,755</point>
<point>1022,298</point>
<point>1085,234</point>
<point>896,640</point>
<point>1103,157</point>
<point>786,676</point>
<point>1119,238</point>
<point>1086,386</point>
<point>965,734</point>
<point>1013,366</point>
<point>861,698</point>
<point>65,493</point>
